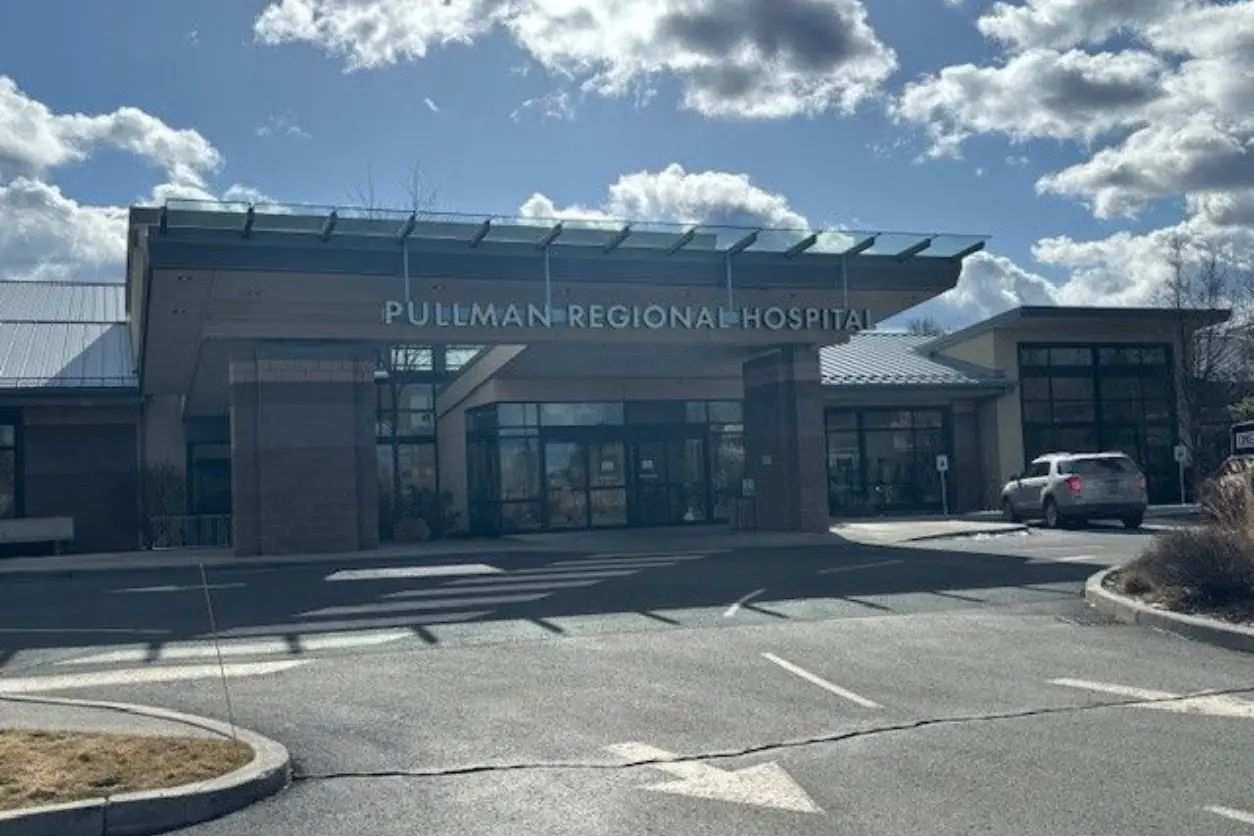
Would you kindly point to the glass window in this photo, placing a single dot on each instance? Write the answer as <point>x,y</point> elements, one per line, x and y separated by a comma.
<point>1122,411</point>
<point>1078,439</point>
<point>415,423</point>
<point>412,358</point>
<point>1033,357</point>
<point>1037,412</point>
<point>1157,387</point>
<point>884,419</point>
<point>520,468</point>
<point>697,413</point>
<point>517,414</point>
<point>726,412</point>
<point>655,412</point>
<point>842,420</point>
<point>1107,466</point>
<point>415,467</point>
<point>457,357</point>
<point>520,516</point>
<point>580,414</point>
<point>1120,388</point>
<point>1070,356</point>
<point>727,469</point>
<point>1035,388</point>
<point>8,473</point>
<point>1154,355</point>
<point>608,464</point>
<point>1038,469</point>
<point>415,396</point>
<point>1119,356</point>
<point>1072,388</point>
<point>928,418</point>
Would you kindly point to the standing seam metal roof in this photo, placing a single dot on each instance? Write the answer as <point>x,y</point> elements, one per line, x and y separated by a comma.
<point>56,335</point>
<point>886,358</point>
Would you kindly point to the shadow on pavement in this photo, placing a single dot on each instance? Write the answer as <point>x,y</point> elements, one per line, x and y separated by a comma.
<point>291,602</point>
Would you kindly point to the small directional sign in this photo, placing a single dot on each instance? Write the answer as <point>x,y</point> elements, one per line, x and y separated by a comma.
<point>942,463</point>
<point>764,785</point>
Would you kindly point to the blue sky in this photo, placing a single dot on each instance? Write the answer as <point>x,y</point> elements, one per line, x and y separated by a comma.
<point>269,88</point>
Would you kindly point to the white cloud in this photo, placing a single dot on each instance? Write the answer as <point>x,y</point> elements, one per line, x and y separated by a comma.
<point>731,58</point>
<point>34,139</point>
<point>1037,94</point>
<point>46,234</point>
<point>675,194</point>
<point>554,106</point>
<point>431,105</point>
<point>1171,121</point>
<point>281,124</point>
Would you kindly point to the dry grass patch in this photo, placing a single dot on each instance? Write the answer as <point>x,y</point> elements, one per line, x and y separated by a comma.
<point>38,768</point>
<point>1207,570</point>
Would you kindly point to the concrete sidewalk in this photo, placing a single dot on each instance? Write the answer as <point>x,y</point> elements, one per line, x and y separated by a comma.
<point>889,532</point>
<point>19,713</point>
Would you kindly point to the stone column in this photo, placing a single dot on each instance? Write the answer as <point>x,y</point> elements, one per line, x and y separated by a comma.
<point>785,447</point>
<point>303,467</point>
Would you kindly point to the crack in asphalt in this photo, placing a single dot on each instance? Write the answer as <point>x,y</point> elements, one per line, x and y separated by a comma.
<point>757,749</point>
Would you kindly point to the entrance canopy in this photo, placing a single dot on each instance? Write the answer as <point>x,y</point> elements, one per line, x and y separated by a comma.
<point>234,274</point>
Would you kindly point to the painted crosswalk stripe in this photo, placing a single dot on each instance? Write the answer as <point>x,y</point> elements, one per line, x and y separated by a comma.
<point>236,648</point>
<point>139,590</point>
<point>173,673</point>
<point>491,586</point>
<point>411,606</point>
<point>397,572</point>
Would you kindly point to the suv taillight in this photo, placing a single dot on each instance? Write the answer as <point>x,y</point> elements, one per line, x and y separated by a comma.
<point>1141,483</point>
<point>1075,484</point>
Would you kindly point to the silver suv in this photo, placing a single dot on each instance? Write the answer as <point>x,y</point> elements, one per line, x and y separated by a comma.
<point>1063,488</point>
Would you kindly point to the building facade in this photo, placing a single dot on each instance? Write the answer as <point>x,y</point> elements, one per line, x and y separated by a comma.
<point>296,381</point>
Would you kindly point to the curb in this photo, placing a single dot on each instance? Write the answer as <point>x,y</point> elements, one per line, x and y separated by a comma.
<point>1205,630</point>
<point>157,811</point>
<point>1010,528</point>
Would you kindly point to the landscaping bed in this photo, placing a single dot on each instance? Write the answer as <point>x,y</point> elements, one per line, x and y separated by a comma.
<point>1204,571</point>
<point>39,768</point>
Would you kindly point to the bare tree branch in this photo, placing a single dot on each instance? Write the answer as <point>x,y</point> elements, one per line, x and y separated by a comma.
<point>363,196</point>
<point>925,326</point>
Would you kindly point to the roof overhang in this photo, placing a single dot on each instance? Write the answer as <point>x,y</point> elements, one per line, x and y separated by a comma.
<point>246,276</point>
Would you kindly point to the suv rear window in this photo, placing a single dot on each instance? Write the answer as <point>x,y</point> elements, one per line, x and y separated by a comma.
<point>1111,466</point>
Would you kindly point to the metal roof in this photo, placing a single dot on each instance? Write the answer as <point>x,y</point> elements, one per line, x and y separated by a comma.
<point>56,335</point>
<point>602,233</point>
<point>886,358</point>
<point>1199,317</point>
<point>26,301</point>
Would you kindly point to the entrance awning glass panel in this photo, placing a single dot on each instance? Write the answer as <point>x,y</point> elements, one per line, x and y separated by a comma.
<point>606,234</point>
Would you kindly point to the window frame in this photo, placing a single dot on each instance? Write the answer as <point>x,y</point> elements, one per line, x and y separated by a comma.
<point>13,418</point>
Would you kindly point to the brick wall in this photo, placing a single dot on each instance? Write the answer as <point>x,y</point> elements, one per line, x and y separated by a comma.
<point>784,439</point>
<point>303,468</point>
<point>88,472</point>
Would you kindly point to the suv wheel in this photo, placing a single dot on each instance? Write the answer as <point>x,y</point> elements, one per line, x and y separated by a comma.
<point>1053,519</point>
<point>1008,510</point>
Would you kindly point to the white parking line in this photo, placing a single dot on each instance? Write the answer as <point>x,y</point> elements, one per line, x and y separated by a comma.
<point>1230,813</point>
<point>672,555</point>
<point>393,572</point>
<point>740,602</point>
<point>836,569</point>
<point>819,681</point>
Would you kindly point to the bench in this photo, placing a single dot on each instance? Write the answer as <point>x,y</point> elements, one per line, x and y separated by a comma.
<point>55,530</point>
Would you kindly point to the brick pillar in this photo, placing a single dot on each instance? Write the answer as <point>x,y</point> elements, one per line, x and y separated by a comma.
<point>303,467</point>
<point>784,441</point>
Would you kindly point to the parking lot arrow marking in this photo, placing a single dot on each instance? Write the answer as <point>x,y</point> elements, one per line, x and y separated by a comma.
<point>763,785</point>
<point>1214,705</point>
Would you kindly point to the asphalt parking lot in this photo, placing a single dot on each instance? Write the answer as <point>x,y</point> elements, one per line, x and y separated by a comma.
<point>948,687</point>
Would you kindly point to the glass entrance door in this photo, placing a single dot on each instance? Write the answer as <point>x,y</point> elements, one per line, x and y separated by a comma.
<point>668,482</point>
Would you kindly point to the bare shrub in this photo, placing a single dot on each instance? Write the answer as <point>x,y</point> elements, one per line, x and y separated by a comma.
<point>1208,567</point>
